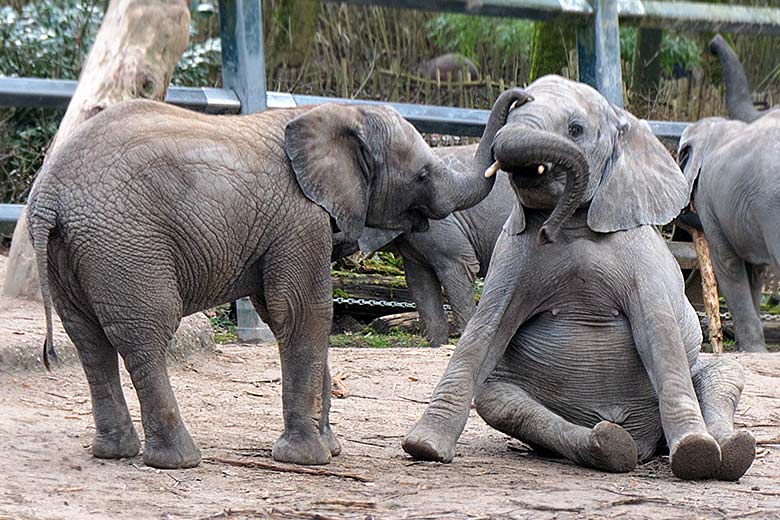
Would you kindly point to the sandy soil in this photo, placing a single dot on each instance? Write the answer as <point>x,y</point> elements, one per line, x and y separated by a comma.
<point>231,401</point>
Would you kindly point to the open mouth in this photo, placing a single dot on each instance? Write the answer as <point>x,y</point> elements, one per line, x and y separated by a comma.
<point>529,175</point>
<point>417,220</point>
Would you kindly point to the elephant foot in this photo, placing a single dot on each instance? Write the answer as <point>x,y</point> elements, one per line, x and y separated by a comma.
<point>300,448</point>
<point>611,449</point>
<point>171,451</point>
<point>116,444</point>
<point>424,443</point>
<point>332,442</point>
<point>737,451</point>
<point>696,456</point>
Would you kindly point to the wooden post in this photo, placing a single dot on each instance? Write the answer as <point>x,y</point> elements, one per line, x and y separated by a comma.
<point>710,290</point>
<point>135,52</point>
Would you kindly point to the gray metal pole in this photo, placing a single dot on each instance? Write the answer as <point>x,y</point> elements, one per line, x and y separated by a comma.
<point>243,71</point>
<point>598,51</point>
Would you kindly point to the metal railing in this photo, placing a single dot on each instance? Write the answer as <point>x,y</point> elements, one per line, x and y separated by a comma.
<point>598,51</point>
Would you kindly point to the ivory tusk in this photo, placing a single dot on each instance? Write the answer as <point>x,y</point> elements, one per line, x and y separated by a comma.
<point>492,170</point>
<point>540,169</point>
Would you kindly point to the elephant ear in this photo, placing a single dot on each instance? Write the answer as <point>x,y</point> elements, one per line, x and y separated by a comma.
<point>641,184</point>
<point>333,163</point>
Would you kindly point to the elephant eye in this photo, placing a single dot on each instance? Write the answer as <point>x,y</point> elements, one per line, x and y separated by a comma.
<point>575,130</point>
<point>422,175</point>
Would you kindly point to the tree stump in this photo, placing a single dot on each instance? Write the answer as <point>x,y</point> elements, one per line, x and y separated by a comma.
<point>134,55</point>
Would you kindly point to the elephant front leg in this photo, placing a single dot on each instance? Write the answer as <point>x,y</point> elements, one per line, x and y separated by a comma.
<point>298,303</point>
<point>694,453</point>
<point>509,409</point>
<point>718,383</point>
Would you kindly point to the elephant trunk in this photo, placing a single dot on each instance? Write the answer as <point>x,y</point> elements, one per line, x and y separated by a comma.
<point>475,185</point>
<point>525,151</point>
<point>738,101</point>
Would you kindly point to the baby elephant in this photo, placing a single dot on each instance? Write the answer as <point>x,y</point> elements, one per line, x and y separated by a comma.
<point>150,213</point>
<point>586,346</point>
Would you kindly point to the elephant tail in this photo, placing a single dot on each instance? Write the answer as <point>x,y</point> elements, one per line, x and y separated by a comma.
<point>40,224</point>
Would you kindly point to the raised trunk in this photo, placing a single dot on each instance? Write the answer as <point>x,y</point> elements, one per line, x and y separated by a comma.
<point>135,52</point>
<point>475,186</point>
<point>738,101</point>
<point>525,151</point>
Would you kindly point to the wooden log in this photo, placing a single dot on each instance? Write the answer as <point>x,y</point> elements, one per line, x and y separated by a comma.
<point>134,55</point>
<point>710,290</point>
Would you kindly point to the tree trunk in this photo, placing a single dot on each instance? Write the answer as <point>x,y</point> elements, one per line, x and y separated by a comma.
<point>134,55</point>
<point>552,43</point>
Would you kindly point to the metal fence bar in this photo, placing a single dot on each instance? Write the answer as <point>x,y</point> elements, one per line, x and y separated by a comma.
<point>10,213</point>
<point>56,93</point>
<point>243,60</point>
<point>243,72</point>
<point>678,16</point>
<point>426,118</point>
<point>598,52</point>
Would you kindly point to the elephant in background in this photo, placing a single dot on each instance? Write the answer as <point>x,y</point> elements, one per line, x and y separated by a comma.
<point>451,254</point>
<point>151,212</point>
<point>586,346</point>
<point>732,168</point>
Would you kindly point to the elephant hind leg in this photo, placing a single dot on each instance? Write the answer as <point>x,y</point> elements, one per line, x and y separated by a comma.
<point>115,435</point>
<point>141,330</point>
<point>508,408</point>
<point>718,383</point>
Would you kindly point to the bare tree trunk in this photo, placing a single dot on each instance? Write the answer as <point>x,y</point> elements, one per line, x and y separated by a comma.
<point>134,55</point>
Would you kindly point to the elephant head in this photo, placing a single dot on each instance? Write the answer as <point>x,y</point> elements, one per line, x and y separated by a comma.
<point>367,166</point>
<point>570,147</point>
<point>738,101</point>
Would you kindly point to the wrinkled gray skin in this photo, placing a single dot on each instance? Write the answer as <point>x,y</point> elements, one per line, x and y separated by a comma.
<point>451,254</point>
<point>733,168</point>
<point>151,212</point>
<point>587,347</point>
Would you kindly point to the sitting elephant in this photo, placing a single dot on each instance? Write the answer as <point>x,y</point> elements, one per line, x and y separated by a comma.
<point>150,213</point>
<point>451,254</point>
<point>587,346</point>
<point>732,166</point>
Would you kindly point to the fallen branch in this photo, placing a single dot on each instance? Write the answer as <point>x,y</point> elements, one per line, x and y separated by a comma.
<point>764,442</point>
<point>542,507</point>
<point>346,503</point>
<point>710,291</point>
<point>269,466</point>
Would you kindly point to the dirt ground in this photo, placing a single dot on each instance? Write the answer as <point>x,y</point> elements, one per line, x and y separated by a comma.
<point>231,402</point>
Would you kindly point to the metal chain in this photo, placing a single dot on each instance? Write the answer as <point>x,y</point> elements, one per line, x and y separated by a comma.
<point>727,316</point>
<point>410,305</point>
<point>378,303</point>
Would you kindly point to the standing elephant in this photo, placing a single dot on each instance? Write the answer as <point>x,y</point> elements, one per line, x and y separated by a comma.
<point>732,167</point>
<point>451,254</point>
<point>587,346</point>
<point>150,213</point>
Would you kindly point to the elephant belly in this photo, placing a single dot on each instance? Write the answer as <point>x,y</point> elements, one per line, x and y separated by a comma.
<point>586,369</point>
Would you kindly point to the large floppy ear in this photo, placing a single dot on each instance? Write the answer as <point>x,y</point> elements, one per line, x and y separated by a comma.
<point>333,162</point>
<point>641,184</point>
